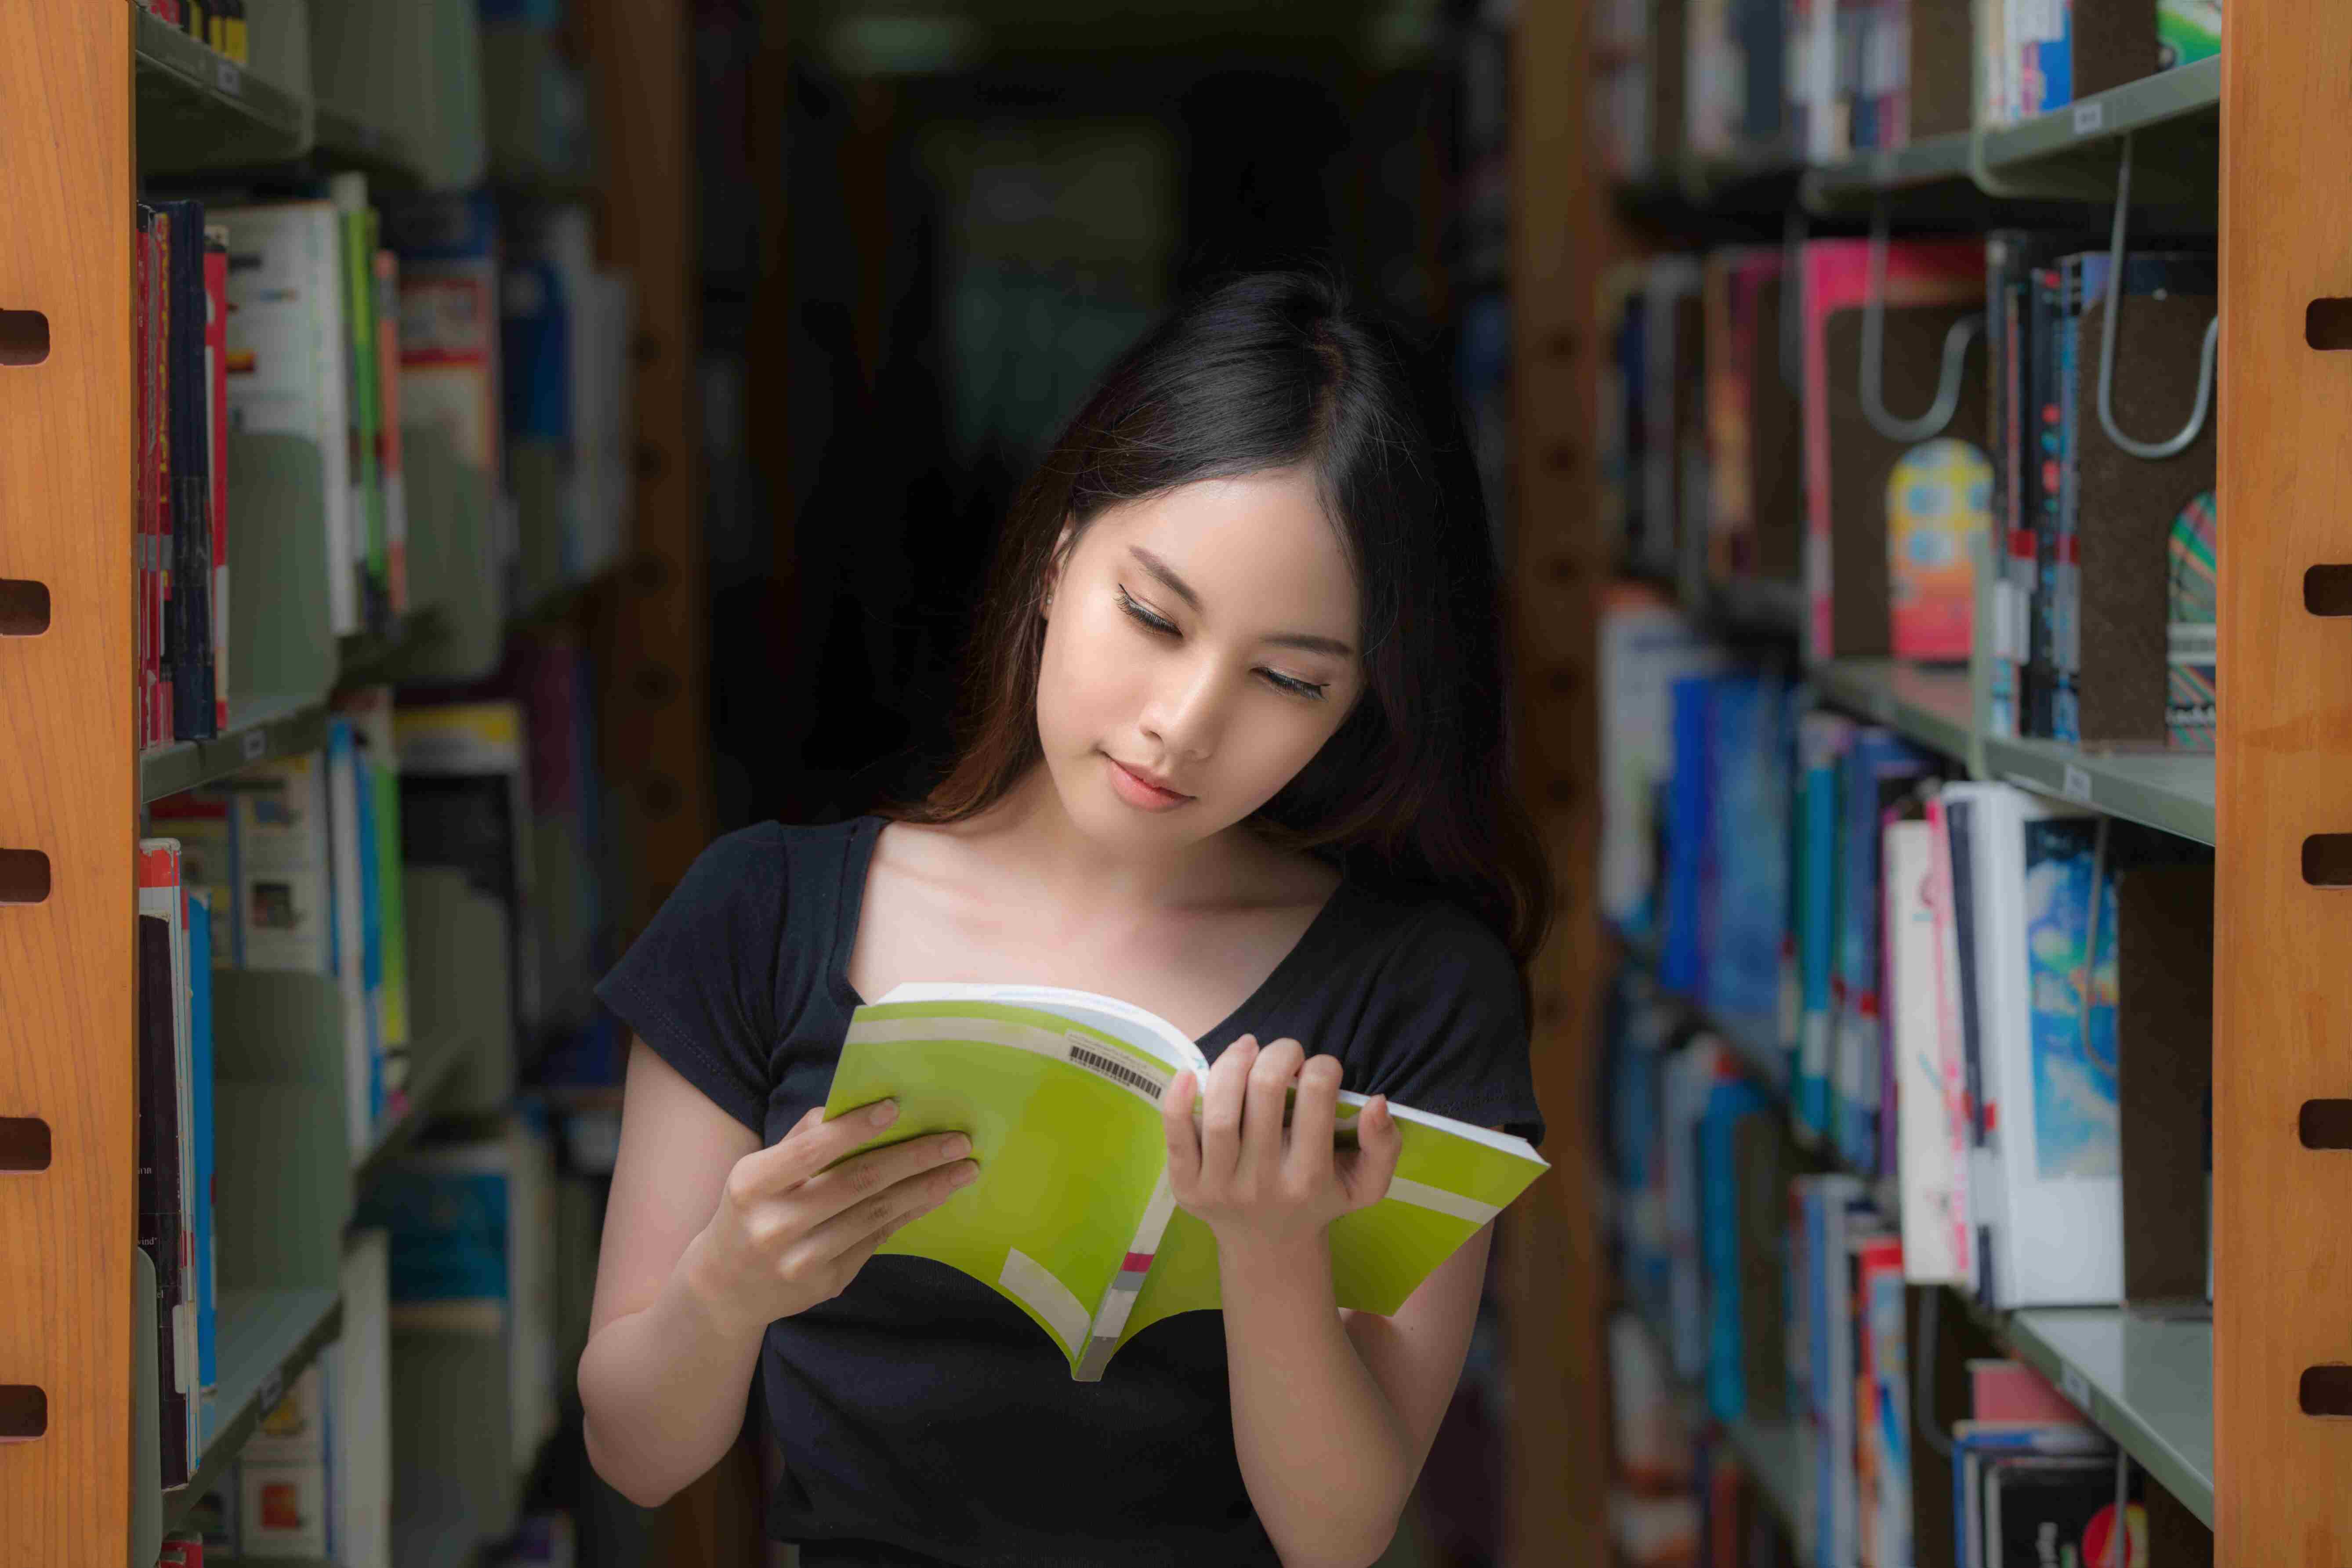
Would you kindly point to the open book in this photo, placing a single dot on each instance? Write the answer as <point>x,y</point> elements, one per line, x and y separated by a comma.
<point>1072,1218</point>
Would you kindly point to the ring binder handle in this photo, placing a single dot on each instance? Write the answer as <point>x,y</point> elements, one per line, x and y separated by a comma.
<point>1932,424</point>
<point>2149,451</point>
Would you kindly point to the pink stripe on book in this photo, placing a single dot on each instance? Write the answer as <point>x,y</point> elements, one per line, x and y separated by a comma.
<point>1137,1262</point>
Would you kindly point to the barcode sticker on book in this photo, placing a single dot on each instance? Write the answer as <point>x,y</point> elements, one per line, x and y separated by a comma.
<point>1117,1071</point>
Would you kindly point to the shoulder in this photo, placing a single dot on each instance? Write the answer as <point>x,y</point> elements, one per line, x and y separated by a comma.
<point>1432,948</point>
<point>763,861</point>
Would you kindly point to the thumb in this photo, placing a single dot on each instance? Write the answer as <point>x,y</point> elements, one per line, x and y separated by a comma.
<point>1369,1170</point>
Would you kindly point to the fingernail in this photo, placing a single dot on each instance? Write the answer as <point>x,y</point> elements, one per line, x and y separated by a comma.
<point>955,1147</point>
<point>884,1113</point>
<point>967,1173</point>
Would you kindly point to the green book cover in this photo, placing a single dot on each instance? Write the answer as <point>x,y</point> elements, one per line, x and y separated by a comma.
<point>355,237</point>
<point>1072,1218</point>
<point>2186,31</point>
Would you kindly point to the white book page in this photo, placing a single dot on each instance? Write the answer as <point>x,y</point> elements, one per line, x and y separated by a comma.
<point>1146,1031</point>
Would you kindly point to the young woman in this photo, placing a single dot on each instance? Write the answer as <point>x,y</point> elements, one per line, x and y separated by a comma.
<point>1236,754</point>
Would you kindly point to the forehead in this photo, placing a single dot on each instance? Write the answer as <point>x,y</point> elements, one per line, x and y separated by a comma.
<point>1259,548</point>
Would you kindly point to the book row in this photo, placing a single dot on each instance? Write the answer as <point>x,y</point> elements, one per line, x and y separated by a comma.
<point>478,799</point>
<point>221,25</point>
<point>1751,435</point>
<point>1821,80</point>
<point>455,1273</point>
<point>2020,1479</point>
<point>1998,1002</point>
<point>294,345</point>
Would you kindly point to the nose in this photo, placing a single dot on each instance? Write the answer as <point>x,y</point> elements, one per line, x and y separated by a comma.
<point>1186,708</point>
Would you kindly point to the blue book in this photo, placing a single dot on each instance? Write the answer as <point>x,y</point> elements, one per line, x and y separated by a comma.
<point>1879,768</point>
<point>1728,1104</point>
<point>200,1102</point>
<point>1682,952</point>
<point>1821,739</point>
<point>1747,867</point>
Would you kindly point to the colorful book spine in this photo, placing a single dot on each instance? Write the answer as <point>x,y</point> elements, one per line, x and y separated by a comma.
<point>202,1195</point>
<point>216,432</point>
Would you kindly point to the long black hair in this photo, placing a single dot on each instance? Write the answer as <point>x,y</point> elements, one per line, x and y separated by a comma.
<point>1278,370</point>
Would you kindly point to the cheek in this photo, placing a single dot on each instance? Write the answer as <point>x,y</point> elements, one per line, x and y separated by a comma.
<point>1089,680</point>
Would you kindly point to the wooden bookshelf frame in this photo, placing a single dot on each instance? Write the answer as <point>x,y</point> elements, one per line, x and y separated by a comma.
<point>68,787</point>
<point>2282,947</point>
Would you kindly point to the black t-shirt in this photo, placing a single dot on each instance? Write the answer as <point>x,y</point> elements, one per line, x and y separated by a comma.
<point>923,1418</point>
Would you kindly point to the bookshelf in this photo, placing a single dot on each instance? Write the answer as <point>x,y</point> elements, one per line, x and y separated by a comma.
<point>96,98</point>
<point>2234,1416</point>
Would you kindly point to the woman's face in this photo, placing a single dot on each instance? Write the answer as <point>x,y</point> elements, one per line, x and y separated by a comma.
<point>1205,641</point>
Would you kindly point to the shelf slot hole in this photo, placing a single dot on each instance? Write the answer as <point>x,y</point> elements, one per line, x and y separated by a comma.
<point>24,337</point>
<point>2328,590</point>
<point>24,607</point>
<point>2327,859</point>
<point>23,877</point>
<point>24,1412</point>
<point>23,1143</point>
<point>2325,1124</point>
<point>2325,1390</point>
<point>2328,324</point>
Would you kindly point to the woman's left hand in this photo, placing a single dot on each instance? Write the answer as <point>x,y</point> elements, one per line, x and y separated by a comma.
<point>1251,1180</point>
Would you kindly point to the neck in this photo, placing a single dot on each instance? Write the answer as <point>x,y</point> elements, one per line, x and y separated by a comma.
<point>1079,873</point>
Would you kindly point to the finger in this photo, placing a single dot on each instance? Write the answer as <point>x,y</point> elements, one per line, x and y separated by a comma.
<point>1313,1115</point>
<point>1183,1138</point>
<point>875,1217</point>
<point>1267,1106</point>
<point>854,1181</point>
<point>1220,1111</point>
<point>809,1148</point>
<point>1366,1173</point>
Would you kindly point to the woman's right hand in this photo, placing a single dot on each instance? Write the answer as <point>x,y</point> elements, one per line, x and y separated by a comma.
<point>788,1233</point>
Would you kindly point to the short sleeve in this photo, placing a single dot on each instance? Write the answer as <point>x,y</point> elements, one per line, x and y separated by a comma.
<point>699,986</point>
<point>1446,1028</point>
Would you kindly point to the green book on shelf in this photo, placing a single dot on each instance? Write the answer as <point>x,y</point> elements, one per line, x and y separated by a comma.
<point>1072,1218</point>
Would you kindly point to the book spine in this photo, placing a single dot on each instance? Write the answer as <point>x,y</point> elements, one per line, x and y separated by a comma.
<point>2066,653</point>
<point>166,422</point>
<point>389,463</point>
<point>159,1218</point>
<point>141,475</point>
<point>191,465</point>
<point>2041,497</point>
<point>216,428</point>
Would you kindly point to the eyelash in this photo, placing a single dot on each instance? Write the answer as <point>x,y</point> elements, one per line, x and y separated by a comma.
<point>1311,690</point>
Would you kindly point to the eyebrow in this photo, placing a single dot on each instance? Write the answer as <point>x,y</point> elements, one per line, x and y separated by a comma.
<point>1306,642</point>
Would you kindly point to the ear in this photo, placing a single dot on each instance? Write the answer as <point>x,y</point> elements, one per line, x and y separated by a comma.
<point>1054,568</point>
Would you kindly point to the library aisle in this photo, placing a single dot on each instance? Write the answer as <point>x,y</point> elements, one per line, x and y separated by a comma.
<point>553,434</point>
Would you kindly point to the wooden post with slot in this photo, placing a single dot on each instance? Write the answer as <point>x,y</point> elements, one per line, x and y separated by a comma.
<point>69,1100</point>
<point>1551,1258</point>
<point>2283,927</point>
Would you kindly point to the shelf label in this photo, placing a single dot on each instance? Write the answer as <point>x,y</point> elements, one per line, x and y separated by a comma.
<point>257,742</point>
<point>273,1389</point>
<point>2090,118</point>
<point>2075,1386</point>
<point>227,78</point>
<point>2076,784</point>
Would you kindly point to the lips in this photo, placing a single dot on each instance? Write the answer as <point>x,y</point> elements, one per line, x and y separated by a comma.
<point>1149,781</point>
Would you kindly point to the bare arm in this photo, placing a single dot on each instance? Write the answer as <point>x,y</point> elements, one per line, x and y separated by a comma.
<point>1333,1413</point>
<point>709,1237</point>
<point>664,1380</point>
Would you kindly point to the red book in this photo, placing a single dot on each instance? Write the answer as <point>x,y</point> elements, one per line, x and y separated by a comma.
<point>216,428</point>
<point>141,285</point>
<point>161,519</point>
